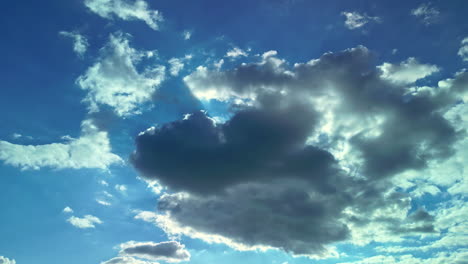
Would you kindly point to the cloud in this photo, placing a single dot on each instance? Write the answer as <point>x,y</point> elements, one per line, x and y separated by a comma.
<point>463,51</point>
<point>120,187</point>
<point>91,150</point>
<point>102,202</point>
<point>127,260</point>
<point>171,251</point>
<point>178,64</point>
<point>126,10</point>
<point>236,52</point>
<point>4,260</point>
<point>354,20</point>
<point>80,43</point>
<point>456,257</point>
<point>426,13</point>
<point>187,34</point>
<point>407,72</point>
<point>88,221</point>
<point>307,157</point>
<point>114,80</point>
<point>67,210</point>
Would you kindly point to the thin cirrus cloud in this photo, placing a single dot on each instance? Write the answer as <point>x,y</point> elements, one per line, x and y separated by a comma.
<point>426,13</point>
<point>339,133</point>
<point>115,81</point>
<point>91,150</point>
<point>126,10</point>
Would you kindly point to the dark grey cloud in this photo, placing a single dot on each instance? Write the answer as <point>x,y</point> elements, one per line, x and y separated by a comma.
<point>170,251</point>
<point>309,155</point>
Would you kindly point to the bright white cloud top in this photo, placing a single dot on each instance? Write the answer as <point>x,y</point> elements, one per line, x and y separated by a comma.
<point>91,150</point>
<point>88,221</point>
<point>115,81</point>
<point>126,10</point>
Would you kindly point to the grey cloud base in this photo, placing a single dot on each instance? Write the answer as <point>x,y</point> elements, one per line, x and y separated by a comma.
<point>307,160</point>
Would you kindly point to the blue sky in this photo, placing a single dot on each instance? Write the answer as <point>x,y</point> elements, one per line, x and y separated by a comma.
<point>266,131</point>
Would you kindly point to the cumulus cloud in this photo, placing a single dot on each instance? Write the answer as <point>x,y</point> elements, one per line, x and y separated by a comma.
<point>355,20</point>
<point>80,43</point>
<point>463,51</point>
<point>88,221</point>
<point>4,260</point>
<point>126,10</point>
<point>67,210</point>
<point>310,151</point>
<point>407,72</point>
<point>91,150</point>
<point>236,52</point>
<point>426,13</point>
<point>171,251</point>
<point>114,80</point>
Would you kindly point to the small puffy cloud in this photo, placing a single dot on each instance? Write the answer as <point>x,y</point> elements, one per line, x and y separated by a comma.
<point>4,260</point>
<point>426,13</point>
<point>407,72</point>
<point>187,34</point>
<point>126,10</point>
<point>88,221</point>
<point>171,251</point>
<point>463,51</point>
<point>114,80</point>
<point>120,187</point>
<point>80,43</point>
<point>91,150</point>
<point>104,183</point>
<point>236,52</point>
<point>102,202</point>
<point>67,210</point>
<point>176,66</point>
<point>355,20</point>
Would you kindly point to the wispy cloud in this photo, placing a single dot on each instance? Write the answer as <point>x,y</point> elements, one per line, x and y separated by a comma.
<point>126,10</point>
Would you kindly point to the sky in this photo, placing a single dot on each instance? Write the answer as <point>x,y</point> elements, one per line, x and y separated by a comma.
<point>249,131</point>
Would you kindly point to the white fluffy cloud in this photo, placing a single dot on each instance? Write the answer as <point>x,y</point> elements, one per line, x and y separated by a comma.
<point>91,150</point>
<point>114,80</point>
<point>80,43</point>
<point>67,210</point>
<point>126,10</point>
<point>4,260</point>
<point>355,20</point>
<point>463,51</point>
<point>88,221</point>
<point>407,72</point>
<point>236,52</point>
